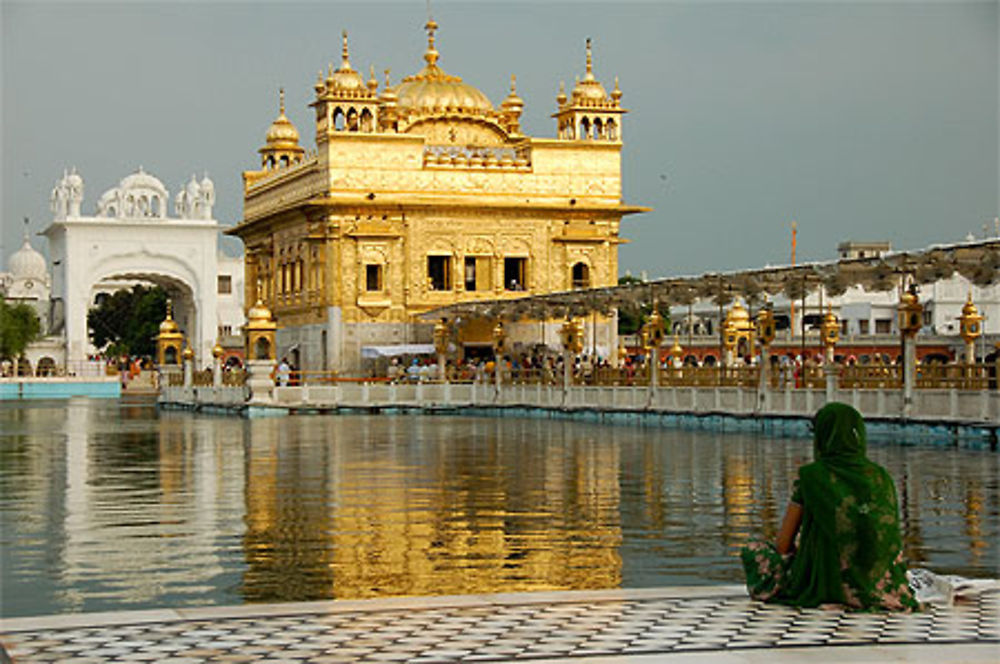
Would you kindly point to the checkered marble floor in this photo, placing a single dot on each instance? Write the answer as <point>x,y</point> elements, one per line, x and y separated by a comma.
<point>487,628</point>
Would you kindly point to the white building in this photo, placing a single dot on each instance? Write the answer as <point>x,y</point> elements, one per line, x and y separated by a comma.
<point>27,281</point>
<point>131,239</point>
<point>862,313</point>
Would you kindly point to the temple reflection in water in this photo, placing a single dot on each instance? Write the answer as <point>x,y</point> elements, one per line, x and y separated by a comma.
<point>384,515</point>
<point>107,505</point>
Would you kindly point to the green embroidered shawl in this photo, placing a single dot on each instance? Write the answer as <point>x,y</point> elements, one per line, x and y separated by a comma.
<point>849,543</point>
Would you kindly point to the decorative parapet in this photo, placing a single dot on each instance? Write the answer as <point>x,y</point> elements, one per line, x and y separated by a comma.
<point>478,157</point>
<point>257,179</point>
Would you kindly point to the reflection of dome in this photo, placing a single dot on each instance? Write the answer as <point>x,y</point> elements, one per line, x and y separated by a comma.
<point>282,133</point>
<point>26,263</point>
<point>433,91</point>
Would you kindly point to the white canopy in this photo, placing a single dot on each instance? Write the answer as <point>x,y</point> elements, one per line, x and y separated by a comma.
<point>400,349</point>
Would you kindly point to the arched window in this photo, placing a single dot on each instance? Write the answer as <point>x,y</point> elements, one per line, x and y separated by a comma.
<point>598,129</point>
<point>338,119</point>
<point>46,367</point>
<point>584,128</point>
<point>352,120</point>
<point>581,275</point>
<point>170,355</point>
<point>262,349</point>
<point>367,121</point>
<point>284,160</point>
<point>612,130</point>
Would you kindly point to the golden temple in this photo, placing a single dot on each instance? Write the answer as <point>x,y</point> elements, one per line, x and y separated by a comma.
<point>423,194</point>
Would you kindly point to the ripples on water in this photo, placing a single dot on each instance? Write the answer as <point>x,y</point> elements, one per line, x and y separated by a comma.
<point>110,505</point>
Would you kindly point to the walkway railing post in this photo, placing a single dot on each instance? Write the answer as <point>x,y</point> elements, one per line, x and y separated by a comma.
<point>910,319</point>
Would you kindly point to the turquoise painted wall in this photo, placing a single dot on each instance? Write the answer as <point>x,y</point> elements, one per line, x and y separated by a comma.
<point>51,389</point>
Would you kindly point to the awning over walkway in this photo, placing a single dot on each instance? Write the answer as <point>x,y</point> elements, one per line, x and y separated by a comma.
<point>400,349</point>
<point>978,261</point>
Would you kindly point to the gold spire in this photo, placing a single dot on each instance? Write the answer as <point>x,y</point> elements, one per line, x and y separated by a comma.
<point>589,76</point>
<point>281,101</point>
<point>512,99</point>
<point>431,55</point>
<point>372,81</point>
<point>345,63</point>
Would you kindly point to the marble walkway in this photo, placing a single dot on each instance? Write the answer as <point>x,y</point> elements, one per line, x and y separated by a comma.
<point>691,624</point>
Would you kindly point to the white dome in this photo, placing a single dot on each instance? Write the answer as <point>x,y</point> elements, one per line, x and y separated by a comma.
<point>26,263</point>
<point>142,180</point>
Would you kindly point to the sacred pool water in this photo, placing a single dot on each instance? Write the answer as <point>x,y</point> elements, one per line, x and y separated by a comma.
<point>113,505</point>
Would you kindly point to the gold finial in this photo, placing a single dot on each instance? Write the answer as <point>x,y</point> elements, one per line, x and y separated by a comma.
<point>590,63</point>
<point>170,308</point>
<point>387,78</point>
<point>345,63</point>
<point>616,94</point>
<point>513,84</point>
<point>372,81</point>
<point>281,101</point>
<point>431,55</point>
<point>329,71</point>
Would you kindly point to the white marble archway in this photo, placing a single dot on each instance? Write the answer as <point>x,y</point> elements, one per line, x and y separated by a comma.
<point>177,254</point>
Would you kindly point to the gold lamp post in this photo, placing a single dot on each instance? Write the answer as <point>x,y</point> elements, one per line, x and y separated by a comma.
<point>910,313</point>
<point>169,341</point>
<point>260,333</point>
<point>442,332</point>
<point>677,352</point>
<point>217,353</point>
<point>971,328</point>
<point>830,330</point>
<point>652,337</point>
<point>766,330</point>
<point>499,340</point>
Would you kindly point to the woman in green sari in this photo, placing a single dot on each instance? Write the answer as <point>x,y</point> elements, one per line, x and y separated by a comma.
<point>844,511</point>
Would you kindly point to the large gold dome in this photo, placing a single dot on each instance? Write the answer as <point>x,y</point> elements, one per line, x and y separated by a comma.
<point>434,91</point>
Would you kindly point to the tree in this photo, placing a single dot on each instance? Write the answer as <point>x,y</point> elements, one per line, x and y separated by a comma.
<point>127,321</point>
<point>19,326</point>
<point>632,318</point>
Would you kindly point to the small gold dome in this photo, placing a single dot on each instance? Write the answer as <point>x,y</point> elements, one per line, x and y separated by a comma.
<point>259,317</point>
<point>282,133</point>
<point>218,351</point>
<point>345,79</point>
<point>969,309</point>
<point>389,96</point>
<point>169,327</point>
<point>188,354</point>
<point>738,315</point>
<point>512,101</point>
<point>589,90</point>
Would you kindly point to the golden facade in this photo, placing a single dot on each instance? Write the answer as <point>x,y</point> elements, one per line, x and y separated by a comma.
<point>423,194</point>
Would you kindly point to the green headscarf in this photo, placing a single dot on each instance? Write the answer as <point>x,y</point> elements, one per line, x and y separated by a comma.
<point>849,543</point>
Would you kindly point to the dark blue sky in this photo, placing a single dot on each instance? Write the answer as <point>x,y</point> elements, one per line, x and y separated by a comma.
<point>860,120</point>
